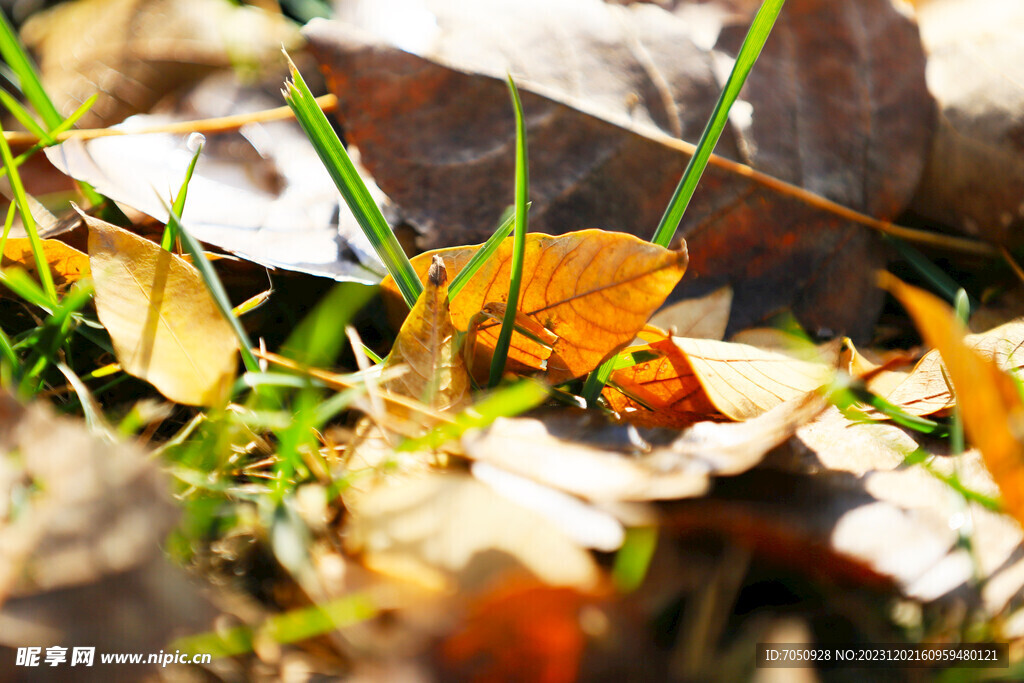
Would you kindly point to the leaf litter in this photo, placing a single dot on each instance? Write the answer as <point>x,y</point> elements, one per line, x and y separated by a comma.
<point>496,550</point>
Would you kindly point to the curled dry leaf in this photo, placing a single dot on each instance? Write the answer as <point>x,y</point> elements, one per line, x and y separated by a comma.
<point>593,289</point>
<point>447,530</point>
<point>694,379</point>
<point>162,320</point>
<point>926,389</point>
<point>989,399</point>
<point>426,343</point>
<point>67,264</point>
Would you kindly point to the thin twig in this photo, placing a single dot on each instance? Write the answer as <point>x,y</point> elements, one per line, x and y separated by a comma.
<point>223,124</point>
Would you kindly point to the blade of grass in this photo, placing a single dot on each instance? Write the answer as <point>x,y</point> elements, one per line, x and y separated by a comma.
<point>518,243</point>
<point>957,440</point>
<point>936,277</point>
<point>65,125</point>
<point>748,54</point>
<point>21,199</point>
<point>749,51</point>
<point>28,80</point>
<point>485,252</point>
<point>338,163</point>
<point>170,235</point>
<point>24,117</point>
<point>8,351</point>
<point>216,289</point>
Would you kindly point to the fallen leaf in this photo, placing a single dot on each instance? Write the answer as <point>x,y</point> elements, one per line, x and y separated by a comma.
<point>163,322</point>
<point>67,264</point>
<point>427,344</point>
<point>593,289</point>
<point>926,388</point>
<point>694,379</point>
<point>989,400</point>
<point>604,126</point>
<point>447,530</point>
<point>706,317</point>
<point>82,521</point>
<point>663,392</point>
<point>136,51</point>
<point>521,631</point>
<point>526,447</point>
<point>261,192</point>
<point>974,179</point>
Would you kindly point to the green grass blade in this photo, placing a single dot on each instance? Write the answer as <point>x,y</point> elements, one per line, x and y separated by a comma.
<point>170,234</point>
<point>28,80</point>
<point>24,117</point>
<point>597,379</point>
<point>484,253</point>
<point>505,402</point>
<point>518,244</point>
<point>65,125</point>
<point>338,163</point>
<point>21,199</point>
<point>213,284</point>
<point>319,338</point>
<point>7,351</point>
<point>749,51</point>
<point>634,558</point>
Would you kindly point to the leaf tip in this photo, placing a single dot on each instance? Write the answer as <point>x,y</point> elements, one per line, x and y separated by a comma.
<point>437,274</point>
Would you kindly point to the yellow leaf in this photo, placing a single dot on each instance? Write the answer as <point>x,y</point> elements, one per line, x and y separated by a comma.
<point>695,379</point>
<point>703,318</point>
<point>67,264</point>
<point>593,289</point>
<point>925,390</point>
<point>426,343</point>
<point>989,400</point>
<point>163,323</point>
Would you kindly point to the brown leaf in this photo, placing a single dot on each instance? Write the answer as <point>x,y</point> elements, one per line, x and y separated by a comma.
<point>163,322</point>
<point>974,180</point>
<point>136,51</point>
<point>989,399</point>
<point>594,290</point>
<point>603,128</point>
<point>67,264</point>
<point>426,343</point>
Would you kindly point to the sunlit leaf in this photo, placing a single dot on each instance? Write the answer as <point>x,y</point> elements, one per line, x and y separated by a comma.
<point>164,324</point>
<point>427,344</point>
<point>67,264</point>
<point>988,399</point>
<point>593,289</point>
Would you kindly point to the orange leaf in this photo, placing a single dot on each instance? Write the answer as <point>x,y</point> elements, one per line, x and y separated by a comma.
<point>593,289</point>
<point>664,392</point>
<point>989,400</point>
<point>67,263</point>
<point>426,343</point>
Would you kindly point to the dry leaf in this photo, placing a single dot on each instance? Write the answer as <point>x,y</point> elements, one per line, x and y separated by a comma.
<point>694,379</point>
<point>427,344</point>
<point>663,392</point>
<point>607,92</point>
<point>162,320</point>
<point>926,389</point>
<point>593,289</point>
<point>989,400</point>
<point>526,447</point>
<point>134,52</point>
<point>704,318</point>
<point>67,264</point>
<point>260,192</point>
<point>447,530</point>
<point>974,180</point>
